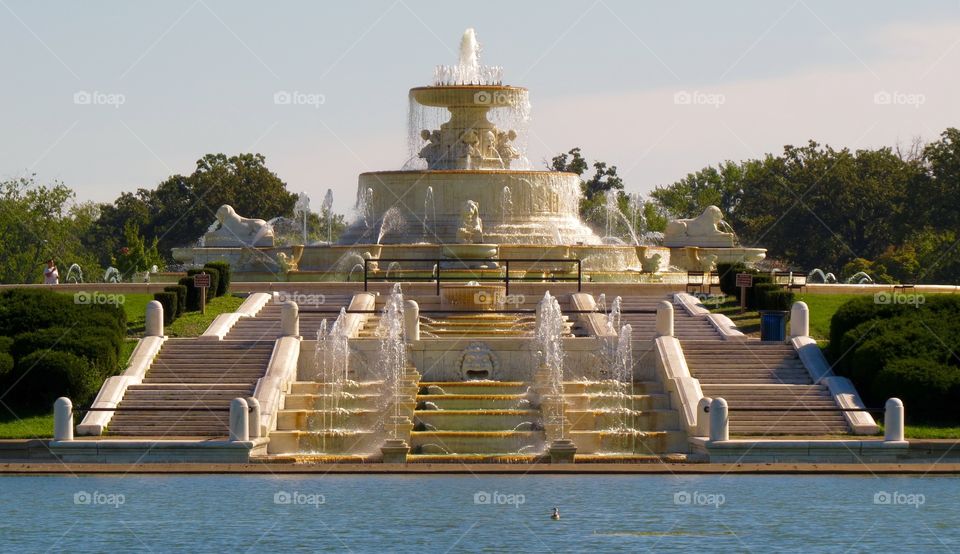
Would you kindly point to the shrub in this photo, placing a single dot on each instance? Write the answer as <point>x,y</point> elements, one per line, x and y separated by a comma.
<point>170,305</point>
<point>96,345</point>
<point>181,292</point>
<point>223,269</point>
<point>6,365</point>
<point>214,280</point>
<point>44,376</point>
<point>728,277</point>
<point>929,390</point>
<point>193,294</point>
<point>761,286</point>
<point>778,299</point>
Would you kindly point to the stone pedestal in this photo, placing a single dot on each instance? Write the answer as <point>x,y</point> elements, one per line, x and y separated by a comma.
<point>395,451</point>
<point>562,451</point>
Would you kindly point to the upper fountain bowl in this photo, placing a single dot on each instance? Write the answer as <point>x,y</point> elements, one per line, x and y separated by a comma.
<point>470,96</point>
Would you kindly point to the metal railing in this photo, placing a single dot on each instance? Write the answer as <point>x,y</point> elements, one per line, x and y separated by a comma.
<point>438,269</point>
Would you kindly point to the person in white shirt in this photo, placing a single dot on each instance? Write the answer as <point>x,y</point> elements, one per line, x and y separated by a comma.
<point>50,274</point>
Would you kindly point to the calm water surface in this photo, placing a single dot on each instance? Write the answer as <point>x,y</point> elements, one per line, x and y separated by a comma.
<point>478,514</point>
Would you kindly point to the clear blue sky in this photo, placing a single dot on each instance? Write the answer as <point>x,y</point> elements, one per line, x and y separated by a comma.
<point>199,77</point>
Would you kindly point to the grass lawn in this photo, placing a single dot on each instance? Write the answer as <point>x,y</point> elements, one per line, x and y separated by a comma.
<point>37,426</point>
<point>931,432</point>
<point>193,324</point>
<point>822,307</point>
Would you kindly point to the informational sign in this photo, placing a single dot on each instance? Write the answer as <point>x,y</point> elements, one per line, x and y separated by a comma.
<point>744,280</point>
<point>202,280</point>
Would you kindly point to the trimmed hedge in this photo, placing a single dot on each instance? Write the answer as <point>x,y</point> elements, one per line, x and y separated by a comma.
<point>181,292</point>
<point>223,270</point>
<point>54,345</point>
<point>44,376</point>
<point>170,305</point>
<point>214,281</point>
<point>728,277</point>
<point>891,349</point>
<point>193,294</point>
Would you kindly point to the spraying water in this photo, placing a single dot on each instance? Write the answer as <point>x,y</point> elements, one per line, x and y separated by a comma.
<point>506,204</point>
<point>429,213</point>
<point>548,339</point>
<point>392,221</point>
<point>328,212</point>
<point>392,360</point>
<point>78,278</point>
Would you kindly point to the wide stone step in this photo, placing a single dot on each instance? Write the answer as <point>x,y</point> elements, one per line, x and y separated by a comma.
<point>655,442</point>
<point>321,401</point>
<point>473,401</point>
<point>328,419</point>
<point>477,420</point>
<point>473,387</point>
<point>470,442</point>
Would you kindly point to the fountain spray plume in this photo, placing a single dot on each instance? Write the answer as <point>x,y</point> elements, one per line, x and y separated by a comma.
<point>548,337</point>
<point>392,362</point>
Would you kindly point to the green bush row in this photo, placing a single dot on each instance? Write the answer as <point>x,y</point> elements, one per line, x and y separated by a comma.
<point>890,349</point>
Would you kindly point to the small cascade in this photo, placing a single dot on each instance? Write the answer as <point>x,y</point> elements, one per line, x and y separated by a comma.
<point>506,205</point>
<point>392,222</point>
<point>429,215</point>
<point>548,339</point>
<point>392,366</point>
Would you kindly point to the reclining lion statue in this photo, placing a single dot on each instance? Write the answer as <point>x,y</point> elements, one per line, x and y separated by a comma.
<point>702,230</point>
<point>233,230</point>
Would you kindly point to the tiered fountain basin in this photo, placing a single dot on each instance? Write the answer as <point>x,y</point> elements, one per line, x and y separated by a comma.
<point>544,211</point>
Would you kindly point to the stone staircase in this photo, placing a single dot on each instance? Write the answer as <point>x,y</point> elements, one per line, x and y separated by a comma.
<point>191,374</point>
<point>766,376</point>
<point>266,325</point>
<point>436,325</point>
<point>686,326</point>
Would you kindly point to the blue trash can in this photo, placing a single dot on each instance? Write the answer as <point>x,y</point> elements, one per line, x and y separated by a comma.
<point>773,325</point>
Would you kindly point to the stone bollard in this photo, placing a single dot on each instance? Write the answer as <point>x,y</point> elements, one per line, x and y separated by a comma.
<point>703,416</point>
<point>719,420</point>
<point>411,320</point>
<point>63,419</point>
<point>239,420</point>
<point>799,320</point>
<point>893,420</point>
<point>664,319</point>
<point>290,319</point>
<point>254,425</point>
<point>154,324</point>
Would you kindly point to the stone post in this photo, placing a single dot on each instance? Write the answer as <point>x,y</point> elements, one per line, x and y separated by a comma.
<point>562,451</point>
<point>703,416</point>
<point>63,419</point>
<point>893,421</point>
<point>395,451</point>
<point>799,320</point>
<point>411,320</point>
<point>290,319</point>
<point>239,420</point>
<point>719,420</point>
<point>665,319</point>
<point>154,324</point>
<point>254,425</point>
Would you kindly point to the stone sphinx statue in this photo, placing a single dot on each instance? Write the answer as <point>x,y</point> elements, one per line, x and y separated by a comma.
<point>471,227</point>
<point>703,230</point>
<point>231,229</point>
